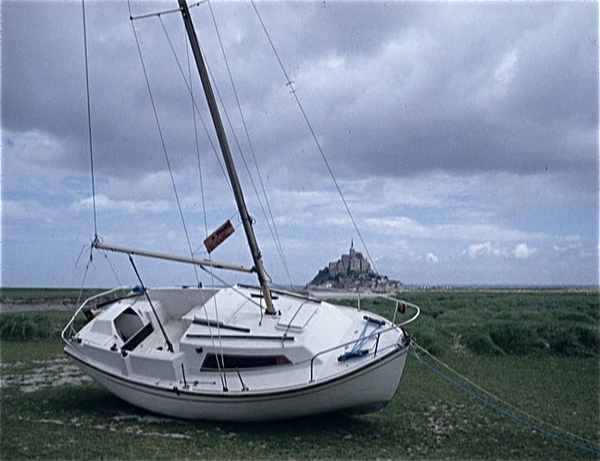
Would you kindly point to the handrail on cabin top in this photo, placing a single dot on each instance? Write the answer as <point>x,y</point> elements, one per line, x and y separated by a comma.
<point>378,334</point>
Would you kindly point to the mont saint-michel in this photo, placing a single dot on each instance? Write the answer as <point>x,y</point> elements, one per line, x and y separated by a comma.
<point>351,272</point>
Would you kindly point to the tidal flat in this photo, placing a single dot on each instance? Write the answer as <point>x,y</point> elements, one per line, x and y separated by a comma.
<point>537,351</point>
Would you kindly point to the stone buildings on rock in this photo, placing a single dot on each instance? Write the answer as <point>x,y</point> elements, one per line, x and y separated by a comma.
<point>353,261</point>
<point>352,272</point>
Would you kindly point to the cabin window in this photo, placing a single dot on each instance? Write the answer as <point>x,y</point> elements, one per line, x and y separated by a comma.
<point>232,362</point>
<point>137,339</point>
<point>128,323</point>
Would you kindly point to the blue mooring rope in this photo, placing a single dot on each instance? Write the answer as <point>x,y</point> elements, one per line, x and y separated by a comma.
<point>506,413</point>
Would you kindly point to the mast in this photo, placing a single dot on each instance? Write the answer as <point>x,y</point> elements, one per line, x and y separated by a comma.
<point>227,157</point>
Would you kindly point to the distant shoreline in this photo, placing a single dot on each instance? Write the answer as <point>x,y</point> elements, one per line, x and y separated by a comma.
<point>24,299</point>
<point>406,286</point>
<point>345,294</point>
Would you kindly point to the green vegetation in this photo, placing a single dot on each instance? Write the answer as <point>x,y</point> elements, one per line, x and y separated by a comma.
<point>51,411</point>
<point>35,326</point>
<point>46,294</point>
<point>535,323</point>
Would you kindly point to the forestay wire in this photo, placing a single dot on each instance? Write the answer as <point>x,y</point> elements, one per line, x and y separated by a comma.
<point>270,220</point>
<point>188,82</point>
<point>314,136</point>
<point>197,144</point>
<point>164,147</point>
<point>189,87</point>
<point>197,111</point>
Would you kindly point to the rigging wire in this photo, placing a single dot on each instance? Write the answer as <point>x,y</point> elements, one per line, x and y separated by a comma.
<point>220,361</point>
<point>498,399</point>
<point>226,114</point>
<point>112,268</point>
<point>269,219</point>
<point>499,409</point>
<point>224,109</point>
<point>188,85</point>
<point>89,116</point>
<point>164,147</point>
<point>87,266</point>
<point>162,329</point>
<point>196,141</point>
<point>314,136</point>
<point>91,148</point>
<point>233,288</point>
<point>221,371</point>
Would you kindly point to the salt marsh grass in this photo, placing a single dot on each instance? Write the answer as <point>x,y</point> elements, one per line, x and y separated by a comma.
<point>52,411</point>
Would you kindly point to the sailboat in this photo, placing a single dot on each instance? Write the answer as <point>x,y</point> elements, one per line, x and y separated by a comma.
<point>240,353</point>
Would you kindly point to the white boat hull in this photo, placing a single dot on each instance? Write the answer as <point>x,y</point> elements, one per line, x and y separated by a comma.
<point>361,391</point>
<point>310,358</point>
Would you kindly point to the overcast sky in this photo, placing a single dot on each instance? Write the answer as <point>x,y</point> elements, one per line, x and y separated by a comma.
<point>464,137</point>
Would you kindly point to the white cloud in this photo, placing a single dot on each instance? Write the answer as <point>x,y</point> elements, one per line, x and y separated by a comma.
<point>571,243</point>
<point>34,147</point>
<point>126,206</point>
<point>505,72</point>
<point>522,251</point>
<point>149,187</point>
<point>486,249</point>
<point>27,209</point>
<point>431,258</point>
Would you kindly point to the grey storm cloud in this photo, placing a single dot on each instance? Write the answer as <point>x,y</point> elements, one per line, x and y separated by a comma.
<point>460,134</point>
<point>463,87</point>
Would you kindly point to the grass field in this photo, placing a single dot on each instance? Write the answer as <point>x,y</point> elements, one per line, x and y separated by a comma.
<point>538,351</point>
